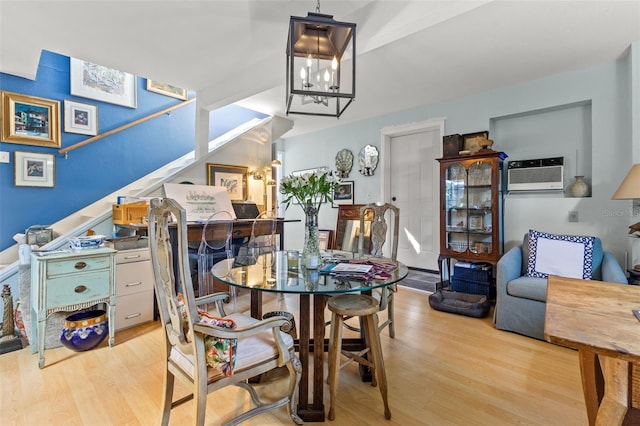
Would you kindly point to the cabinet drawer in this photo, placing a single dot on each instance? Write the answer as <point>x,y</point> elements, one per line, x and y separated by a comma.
<point>77,264</point>
<point>127,256</point>
<point>78,288</point>
<point>133,278</point>
<point>134,309</point>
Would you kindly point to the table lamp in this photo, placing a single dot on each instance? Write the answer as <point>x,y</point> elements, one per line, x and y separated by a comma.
<point>629,189</point>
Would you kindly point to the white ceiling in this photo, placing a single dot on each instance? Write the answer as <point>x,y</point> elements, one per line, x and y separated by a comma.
<point>410,53</point>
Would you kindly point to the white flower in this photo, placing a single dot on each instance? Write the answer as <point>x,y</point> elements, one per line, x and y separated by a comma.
<point>309,188</point>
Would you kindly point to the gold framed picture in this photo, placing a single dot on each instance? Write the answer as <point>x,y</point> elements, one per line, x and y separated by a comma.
<point>473,142</point>
<point>233,178</point>
<point>166,89</point>
<point>30,120</point>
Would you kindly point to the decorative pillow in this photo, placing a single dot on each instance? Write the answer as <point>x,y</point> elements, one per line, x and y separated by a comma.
<point>565,255</point>
<point>220,353</point>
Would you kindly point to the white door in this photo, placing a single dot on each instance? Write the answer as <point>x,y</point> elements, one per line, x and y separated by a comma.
<point>410,180</point>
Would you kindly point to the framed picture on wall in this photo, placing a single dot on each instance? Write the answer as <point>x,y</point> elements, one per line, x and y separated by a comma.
<point>166,89</point>
<point>233,178</point>
<point>80,118</point>
<point>33,169</point>
<point>30,120</point>
<point>343,194</point>
<point>104,84</point>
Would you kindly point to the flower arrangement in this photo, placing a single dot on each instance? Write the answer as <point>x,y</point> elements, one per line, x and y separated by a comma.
<point>309,189</point>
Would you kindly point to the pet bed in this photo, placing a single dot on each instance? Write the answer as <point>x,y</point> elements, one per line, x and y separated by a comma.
<point>471,305</point>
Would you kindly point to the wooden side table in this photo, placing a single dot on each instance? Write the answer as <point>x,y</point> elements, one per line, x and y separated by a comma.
<point>68,281</point>
<point>596,318</point>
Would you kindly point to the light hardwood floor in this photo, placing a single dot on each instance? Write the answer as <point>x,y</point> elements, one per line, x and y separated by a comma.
<point>442,369</point>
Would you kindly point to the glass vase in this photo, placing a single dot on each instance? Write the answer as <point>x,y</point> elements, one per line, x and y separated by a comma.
<point>311,258</point>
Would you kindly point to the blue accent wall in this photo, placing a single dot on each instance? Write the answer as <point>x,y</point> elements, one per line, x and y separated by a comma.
<point>100,168</point>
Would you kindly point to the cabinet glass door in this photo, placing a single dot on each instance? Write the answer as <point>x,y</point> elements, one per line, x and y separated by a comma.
<point>456,208</point>
<point>479,207</point>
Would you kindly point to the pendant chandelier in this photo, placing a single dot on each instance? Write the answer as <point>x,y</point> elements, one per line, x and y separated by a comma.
<point>321,65</point>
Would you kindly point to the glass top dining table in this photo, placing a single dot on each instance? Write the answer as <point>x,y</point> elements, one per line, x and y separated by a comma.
<point>274,275</point>
<point>277,274</point>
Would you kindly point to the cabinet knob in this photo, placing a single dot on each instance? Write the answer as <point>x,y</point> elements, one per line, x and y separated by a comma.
<point>80,289</point>
<point>80,265</point>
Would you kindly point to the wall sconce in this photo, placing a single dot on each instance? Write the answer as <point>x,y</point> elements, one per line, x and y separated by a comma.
<point>264,174</point>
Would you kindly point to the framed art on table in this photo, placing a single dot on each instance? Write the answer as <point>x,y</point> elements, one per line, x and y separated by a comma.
<point>166,89</point>
<point>104,84</point>
<point>30,120</point>
<point>324,239</point>
<point>233,178</point>
<point>33,169</point>
<point>343,194</point>
<point>80,118</point>
<point>473,142</point>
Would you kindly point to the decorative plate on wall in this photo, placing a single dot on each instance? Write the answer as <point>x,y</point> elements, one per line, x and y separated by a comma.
<point>344,162</point>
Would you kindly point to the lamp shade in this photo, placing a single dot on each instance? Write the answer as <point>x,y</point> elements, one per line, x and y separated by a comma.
<point>629,189</point>
<point>321,65</point>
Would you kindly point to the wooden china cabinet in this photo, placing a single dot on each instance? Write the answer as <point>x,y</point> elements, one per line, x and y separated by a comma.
<point>471,208</point>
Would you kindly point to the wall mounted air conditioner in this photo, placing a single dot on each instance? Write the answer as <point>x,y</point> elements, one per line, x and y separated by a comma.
<point>541,174</point>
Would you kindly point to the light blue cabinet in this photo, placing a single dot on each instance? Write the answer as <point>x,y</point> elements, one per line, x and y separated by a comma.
<point>69,281</point>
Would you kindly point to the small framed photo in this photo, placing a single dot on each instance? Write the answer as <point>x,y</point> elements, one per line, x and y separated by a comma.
<point>30,120</point>
<point>343,194</point>
<point>80,118</point>
<point>33,169</point>
<point>234,178</point>
<point>104,84</point>
<point>325,239</point>
<point>166,89</point>
<point>473,142</point>
<point>476,222</point>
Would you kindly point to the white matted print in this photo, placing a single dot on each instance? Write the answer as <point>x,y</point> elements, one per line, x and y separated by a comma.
<point>80,118</point>
<point>33,169</point>
<point>104,84</point>
<point>200,201</point>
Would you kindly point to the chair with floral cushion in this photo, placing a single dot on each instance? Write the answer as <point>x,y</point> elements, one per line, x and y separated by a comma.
<point>206,352</point>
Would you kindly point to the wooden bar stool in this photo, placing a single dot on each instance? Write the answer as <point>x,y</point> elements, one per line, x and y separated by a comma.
<point>366,307</point>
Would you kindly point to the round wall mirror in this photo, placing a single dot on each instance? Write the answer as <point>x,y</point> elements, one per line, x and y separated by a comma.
<point>368,160</point>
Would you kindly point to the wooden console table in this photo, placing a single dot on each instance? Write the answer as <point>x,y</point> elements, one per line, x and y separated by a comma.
<point>595,318</point>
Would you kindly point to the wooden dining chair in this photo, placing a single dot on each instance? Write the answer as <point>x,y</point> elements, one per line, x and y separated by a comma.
<point>378,237</point>
<point>207,352</point>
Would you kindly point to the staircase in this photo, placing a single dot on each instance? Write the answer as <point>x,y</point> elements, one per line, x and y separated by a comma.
<point>97,216</point>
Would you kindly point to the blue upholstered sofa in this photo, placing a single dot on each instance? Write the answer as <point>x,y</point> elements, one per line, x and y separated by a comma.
<point>521,299</point>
